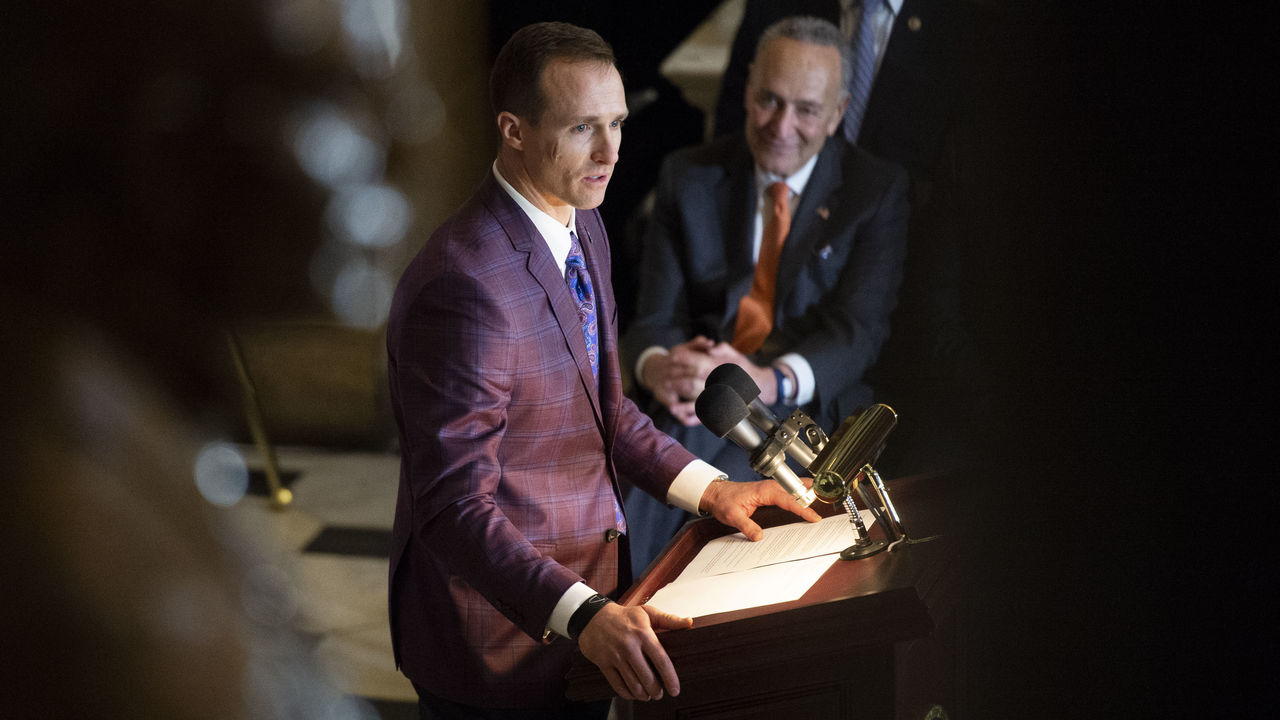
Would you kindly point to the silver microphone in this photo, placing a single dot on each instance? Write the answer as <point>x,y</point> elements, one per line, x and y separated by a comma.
<point>789,433</point>
<point>724,413</point>
<point>735,377</point>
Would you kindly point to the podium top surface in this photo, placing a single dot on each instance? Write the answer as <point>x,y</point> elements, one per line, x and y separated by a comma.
<point>874,601</point>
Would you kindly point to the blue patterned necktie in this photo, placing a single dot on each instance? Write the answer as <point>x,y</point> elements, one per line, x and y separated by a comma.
<point>864,69</point>
<point>575,272</point>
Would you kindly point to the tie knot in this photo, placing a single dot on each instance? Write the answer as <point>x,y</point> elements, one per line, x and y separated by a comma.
<point>780,192</point>
<point>575,258</point>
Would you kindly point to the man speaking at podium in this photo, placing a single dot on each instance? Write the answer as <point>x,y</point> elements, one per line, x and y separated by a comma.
<point>509,534</point>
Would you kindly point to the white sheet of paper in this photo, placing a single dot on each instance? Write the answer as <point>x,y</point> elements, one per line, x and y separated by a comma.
<point>795,541</point>
<point>780,582</point>
<point>733,573</point>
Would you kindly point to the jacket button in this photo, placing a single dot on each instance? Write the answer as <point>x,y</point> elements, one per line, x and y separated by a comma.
<point>611,534</point>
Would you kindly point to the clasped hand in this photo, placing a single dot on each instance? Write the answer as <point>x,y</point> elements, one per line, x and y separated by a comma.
<point>677,377</point>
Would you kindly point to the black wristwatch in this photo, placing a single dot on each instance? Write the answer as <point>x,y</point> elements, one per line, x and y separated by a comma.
<point>786,388</point>
<point>587,610</point>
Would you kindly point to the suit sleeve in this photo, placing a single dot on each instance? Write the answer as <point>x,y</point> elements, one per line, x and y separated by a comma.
<point>840,334</point>
<point>454,369</point>
<point>650,458</point>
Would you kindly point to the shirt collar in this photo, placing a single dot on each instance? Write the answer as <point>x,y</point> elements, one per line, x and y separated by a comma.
<point>555,234</point>
<point>796,181</point>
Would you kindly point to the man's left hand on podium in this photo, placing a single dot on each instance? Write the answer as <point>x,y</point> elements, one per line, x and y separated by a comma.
<point>733,503</point>
<point>622,642</point>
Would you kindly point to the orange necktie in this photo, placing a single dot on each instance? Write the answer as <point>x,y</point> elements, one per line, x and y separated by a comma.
<point>755,310</point>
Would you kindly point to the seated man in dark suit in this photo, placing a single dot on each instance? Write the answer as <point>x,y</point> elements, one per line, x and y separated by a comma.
<point>917,109</point>
<point>809,318</point>
<point>921,53</point>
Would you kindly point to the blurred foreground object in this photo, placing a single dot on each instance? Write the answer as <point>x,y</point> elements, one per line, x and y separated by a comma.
<point>149,199</point>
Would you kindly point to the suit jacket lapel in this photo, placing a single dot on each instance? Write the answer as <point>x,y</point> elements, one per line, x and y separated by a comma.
<point>579,345</point>
<point>736,201</point>
<point>902,40</point>
<point>810,219</point>
<point>542,267</point>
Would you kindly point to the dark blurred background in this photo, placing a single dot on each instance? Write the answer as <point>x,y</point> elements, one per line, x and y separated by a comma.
<point>176,172</point>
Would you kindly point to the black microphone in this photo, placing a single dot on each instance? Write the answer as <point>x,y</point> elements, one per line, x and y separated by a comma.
<point>723,412</point>
<point>734,376</point>
<point>731,375</point>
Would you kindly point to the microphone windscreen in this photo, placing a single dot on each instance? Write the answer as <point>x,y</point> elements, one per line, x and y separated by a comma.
<point>720,409</point>
<point>737,378</point>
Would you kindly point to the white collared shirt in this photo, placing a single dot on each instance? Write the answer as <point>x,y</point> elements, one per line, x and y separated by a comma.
<point>805,382</point>
<point>796,182</point>
<point>555,234</point>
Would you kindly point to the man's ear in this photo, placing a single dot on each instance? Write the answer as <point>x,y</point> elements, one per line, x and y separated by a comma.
<point>839,118</point>
<point>510,129</point>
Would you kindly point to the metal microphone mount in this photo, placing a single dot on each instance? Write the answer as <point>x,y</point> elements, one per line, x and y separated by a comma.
<point>840,464</point>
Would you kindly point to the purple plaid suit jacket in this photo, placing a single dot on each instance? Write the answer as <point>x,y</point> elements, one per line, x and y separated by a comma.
<point>509,454</point>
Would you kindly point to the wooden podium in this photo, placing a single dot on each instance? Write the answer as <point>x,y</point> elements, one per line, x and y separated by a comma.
<point>834,653</point>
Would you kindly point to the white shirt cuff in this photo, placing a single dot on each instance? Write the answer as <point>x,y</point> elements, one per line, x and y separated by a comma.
<point>569,602</point>
<point>805,384</point>
<point>648,353</point>
<point>686,490</point>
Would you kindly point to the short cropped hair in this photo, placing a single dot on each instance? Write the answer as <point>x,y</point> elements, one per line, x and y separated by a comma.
<point>814,31</point>
<point>515,84</point>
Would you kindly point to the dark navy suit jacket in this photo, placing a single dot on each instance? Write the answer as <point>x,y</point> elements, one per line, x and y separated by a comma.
<point>838,275</point>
